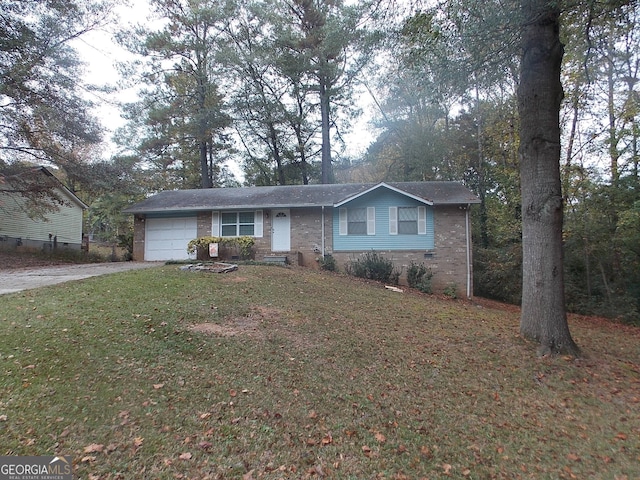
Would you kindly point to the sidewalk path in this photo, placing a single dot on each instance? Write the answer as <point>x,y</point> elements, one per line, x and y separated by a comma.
<point>17,280</point>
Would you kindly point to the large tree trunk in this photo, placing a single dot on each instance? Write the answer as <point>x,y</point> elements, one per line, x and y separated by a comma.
<point>326,167</point>
<point>543,317</point>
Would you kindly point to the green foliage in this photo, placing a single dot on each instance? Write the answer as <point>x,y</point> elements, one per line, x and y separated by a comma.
<point>244,244</point>
<point>451,290</point>
<point>44,114</point>
<point>373,266</point>
<point>125,240</point>
<point>497,272</point>
<point>419,277</point>
<point>177,126</point>
<point>327,262</point>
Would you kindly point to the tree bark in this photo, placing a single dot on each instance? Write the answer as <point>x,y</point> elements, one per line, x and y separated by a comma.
<point>326,167</point>
<point>543,318</point>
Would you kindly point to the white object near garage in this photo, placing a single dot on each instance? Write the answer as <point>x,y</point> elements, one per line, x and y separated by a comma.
<point>167,238</point>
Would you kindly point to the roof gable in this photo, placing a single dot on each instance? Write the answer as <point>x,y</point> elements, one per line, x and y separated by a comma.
<point>33,175</point>
<point>389,187</point>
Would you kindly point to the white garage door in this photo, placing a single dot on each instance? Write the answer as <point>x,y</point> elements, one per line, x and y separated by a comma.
<point>167,238</point>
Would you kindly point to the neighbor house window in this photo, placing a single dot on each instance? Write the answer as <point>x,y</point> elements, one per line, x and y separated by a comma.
<point>407,220</point>
<point>237,224</point>
<point>358,221</point>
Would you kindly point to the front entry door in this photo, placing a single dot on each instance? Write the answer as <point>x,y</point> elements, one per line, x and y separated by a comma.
<point>281,231</point>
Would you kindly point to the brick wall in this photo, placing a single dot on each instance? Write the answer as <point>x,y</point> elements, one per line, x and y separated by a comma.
<point>448,260</point>
<point>306,236</point>
<point>203,224</point>
<point>138,238</point>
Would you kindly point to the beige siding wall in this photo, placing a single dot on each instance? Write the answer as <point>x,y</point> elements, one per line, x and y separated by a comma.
<point>65,224</point>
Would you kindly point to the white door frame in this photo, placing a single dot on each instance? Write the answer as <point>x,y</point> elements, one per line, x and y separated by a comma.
<point>281,230</point>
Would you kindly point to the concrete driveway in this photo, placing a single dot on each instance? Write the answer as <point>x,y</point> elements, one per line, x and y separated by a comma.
<point>17,280</point>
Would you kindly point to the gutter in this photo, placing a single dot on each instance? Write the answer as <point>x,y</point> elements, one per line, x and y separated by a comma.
<point>322,228</point>
<point>469,279</point>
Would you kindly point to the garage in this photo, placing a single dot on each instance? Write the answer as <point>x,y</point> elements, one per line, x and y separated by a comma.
<point>167,238</point>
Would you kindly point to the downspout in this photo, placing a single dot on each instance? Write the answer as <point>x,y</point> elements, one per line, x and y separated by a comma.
<point>322,229</point>
<point>468,251</point>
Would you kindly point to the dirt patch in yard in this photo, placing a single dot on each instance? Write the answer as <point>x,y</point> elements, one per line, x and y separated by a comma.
<point>261,323</point>
<point>251,324</point>
<point>13,260</point>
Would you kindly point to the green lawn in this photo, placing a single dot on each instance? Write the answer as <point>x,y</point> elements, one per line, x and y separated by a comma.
<point>271,372</point>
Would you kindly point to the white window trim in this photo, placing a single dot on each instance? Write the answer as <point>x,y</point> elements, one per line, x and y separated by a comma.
<point>422,220</point>
<point>343,221</point>
<point>215,224</point>
<point>258,223</point>
<point>393,220</point>
<point>371,220</point>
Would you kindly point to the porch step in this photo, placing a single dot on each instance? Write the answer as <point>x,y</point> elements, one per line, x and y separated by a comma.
<point>278,259</point>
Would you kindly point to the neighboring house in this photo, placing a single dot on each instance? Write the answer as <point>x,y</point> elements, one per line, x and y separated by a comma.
<point>60,227</point>
<point>421,222</point>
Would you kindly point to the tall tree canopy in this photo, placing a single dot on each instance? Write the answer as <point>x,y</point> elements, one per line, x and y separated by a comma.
<point>180,121</point>
<point>44,116</point>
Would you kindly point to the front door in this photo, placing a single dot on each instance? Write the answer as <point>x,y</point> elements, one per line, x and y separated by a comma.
<point>281,231</point>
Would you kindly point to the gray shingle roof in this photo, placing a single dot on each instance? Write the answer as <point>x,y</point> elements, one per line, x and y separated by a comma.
<point>285,196</point>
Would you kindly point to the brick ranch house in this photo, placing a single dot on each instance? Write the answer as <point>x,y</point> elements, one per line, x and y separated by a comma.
<point>421,222</point>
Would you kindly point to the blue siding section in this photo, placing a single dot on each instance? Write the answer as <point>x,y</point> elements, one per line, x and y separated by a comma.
<point>382,199</point>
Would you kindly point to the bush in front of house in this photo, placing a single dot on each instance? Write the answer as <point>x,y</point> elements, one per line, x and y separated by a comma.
<point>243,244</point>
<point>327,262</point>
<point>419,277</point>
<point>373,266</point>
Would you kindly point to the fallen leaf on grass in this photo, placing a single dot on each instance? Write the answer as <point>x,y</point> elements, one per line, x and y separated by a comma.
<point>380,437</point>
<point>326,440</point>
<point>185,456</point>
<point>366,450</point>
<point>447,468</point>
<point>158,386</point>
<point>94,448</point>
<point>573,457</point>
<point>426,451</point>
<point>248,475</point>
